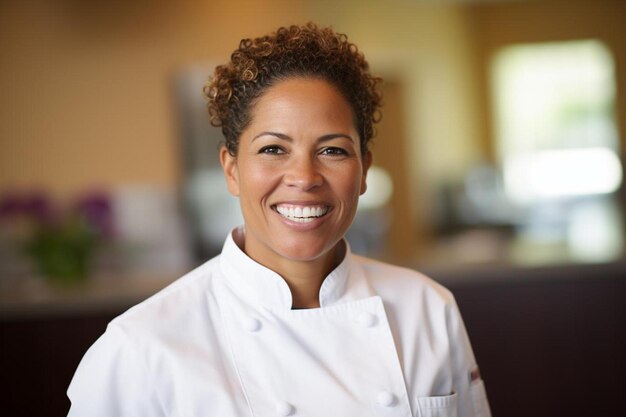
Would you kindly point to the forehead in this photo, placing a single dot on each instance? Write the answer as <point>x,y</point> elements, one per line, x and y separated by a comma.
<point>303,100</point>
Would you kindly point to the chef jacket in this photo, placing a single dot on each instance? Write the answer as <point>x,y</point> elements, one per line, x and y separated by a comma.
<point>224,341</point>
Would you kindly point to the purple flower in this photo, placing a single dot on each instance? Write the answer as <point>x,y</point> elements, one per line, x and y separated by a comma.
<point>95,210</point>
<point>35,206</point>
<point>38,206</point>
<point>10,205</point>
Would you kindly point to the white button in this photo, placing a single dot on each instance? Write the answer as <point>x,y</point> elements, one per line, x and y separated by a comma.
<point>285,409</point>
<point>366,319</point>
<point>386,399</point>
<point>253,325</point>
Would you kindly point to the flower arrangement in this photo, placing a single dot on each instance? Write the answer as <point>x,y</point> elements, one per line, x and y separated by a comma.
<point>60,240</point>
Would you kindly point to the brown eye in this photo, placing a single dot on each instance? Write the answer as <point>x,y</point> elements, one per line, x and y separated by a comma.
<point>272,149</point>
<point>334,151</point>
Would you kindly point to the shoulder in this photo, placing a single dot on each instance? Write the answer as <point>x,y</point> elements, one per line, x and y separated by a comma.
<point>173,304</point>
<point>398,282</point>
<point>137,340</point>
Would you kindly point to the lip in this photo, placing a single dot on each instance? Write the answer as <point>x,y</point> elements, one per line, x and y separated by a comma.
<point>302,203</point>
<point>313,224</point>
<point>310,203</point>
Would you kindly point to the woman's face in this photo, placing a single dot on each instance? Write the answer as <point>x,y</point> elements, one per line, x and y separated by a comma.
<point>298,173</point>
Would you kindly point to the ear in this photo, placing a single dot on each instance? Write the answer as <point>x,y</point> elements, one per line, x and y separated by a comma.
<point>231,173</point>
<point>367,163</point>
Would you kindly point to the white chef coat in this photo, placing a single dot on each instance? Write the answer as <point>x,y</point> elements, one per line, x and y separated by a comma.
<point>224,341</point>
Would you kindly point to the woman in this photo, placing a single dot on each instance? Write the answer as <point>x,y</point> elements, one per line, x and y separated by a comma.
<point>286,321</point>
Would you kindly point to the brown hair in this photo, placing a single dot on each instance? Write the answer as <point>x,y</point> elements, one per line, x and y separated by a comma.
<point>289,52</point>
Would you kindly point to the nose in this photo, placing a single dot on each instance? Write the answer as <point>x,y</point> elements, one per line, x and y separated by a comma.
<point>303,173</point>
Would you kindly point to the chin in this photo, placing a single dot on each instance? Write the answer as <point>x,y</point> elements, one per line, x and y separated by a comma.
<point>305,251</point>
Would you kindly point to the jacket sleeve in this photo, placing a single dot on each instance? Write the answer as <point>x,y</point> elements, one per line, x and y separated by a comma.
<point>472,397</point>
<point>112,381</point>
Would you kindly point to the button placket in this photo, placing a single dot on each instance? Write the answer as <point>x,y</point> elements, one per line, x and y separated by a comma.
<point>365,326</point>
<point>367,320</point>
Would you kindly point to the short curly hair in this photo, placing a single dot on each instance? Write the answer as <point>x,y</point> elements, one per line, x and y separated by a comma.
<point>291,51</point>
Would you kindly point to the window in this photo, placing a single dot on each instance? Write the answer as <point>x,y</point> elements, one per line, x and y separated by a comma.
<point>555,126</point>
<point>557,142</point>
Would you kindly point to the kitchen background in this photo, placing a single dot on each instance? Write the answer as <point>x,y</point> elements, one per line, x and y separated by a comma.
<point>499,170</point>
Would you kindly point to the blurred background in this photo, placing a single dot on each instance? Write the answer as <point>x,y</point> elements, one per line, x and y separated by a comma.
<point>499,170</point>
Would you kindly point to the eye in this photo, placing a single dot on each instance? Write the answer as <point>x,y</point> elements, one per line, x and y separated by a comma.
<point>272,149</point>
<point>334,151</point>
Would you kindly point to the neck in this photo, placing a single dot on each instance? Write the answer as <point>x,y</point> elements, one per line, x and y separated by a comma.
<point>304,278</point>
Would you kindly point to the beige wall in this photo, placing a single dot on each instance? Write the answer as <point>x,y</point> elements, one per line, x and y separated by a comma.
<point>85,85</point>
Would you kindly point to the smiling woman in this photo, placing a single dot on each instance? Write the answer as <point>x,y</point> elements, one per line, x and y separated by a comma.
<point>286,320</point>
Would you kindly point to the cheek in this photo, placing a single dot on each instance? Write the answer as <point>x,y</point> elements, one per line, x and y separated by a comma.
<point>350,185</point>
<point>260,173</point>
<point>256,179</point>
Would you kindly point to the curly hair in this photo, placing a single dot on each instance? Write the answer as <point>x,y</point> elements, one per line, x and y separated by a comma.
<point>292,51</point>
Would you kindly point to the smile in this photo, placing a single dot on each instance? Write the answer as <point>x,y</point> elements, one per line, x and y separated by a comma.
<point>300,214</point>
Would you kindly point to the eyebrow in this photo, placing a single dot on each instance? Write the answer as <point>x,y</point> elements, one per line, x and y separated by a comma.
<point>288,138</point>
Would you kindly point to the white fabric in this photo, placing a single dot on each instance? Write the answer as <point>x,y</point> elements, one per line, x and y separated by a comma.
<point>224,341</point>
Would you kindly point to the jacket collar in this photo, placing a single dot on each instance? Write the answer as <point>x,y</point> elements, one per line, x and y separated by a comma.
<point>262,286</point>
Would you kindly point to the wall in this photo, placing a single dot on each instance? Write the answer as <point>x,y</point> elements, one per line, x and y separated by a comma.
<point>85,85</point>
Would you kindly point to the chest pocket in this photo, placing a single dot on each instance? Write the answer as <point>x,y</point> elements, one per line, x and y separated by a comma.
<point>441,406</point>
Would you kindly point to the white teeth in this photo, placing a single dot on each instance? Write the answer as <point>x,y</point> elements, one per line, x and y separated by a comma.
<point>302,214</point>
